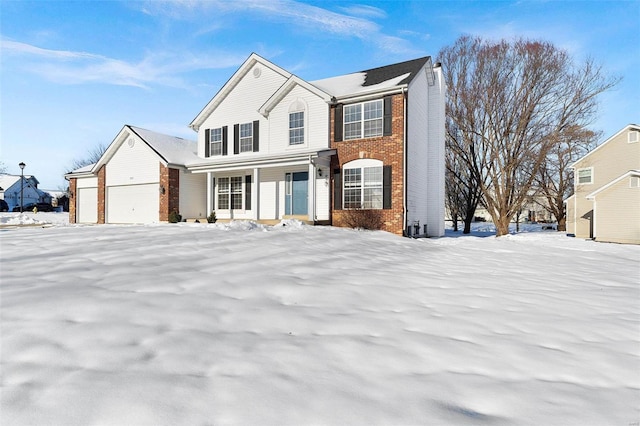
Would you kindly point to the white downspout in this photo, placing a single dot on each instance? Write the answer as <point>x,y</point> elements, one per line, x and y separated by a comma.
<point>405,165</point>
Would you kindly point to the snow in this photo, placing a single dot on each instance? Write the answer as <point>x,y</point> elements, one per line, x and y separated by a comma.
<point>175,150</point>
<point>353,84</point>
<point>241,323</point>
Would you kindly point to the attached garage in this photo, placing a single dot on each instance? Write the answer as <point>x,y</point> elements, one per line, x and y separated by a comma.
<point>87,205</point>
<point>133,203</point>
<point>140,178</point>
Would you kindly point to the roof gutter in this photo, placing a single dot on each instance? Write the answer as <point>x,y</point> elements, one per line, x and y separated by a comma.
<point>372,94</point>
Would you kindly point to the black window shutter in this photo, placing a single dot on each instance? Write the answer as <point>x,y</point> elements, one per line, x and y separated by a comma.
<point>236,139</point>
<point>256,136</point>
<point>247,192</point>
<point>386,124</point>
<point>337,189</point>
<point>337,123</point>
<point>386,187</point>
<point>224,140</point>
<point>206,143</point>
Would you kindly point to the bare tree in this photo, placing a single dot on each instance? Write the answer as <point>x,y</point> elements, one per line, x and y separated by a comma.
<point>554,180</point>
<point>3,167</point>
<point>90,157</point>
<point>510,102</point>
<point>462,190</point>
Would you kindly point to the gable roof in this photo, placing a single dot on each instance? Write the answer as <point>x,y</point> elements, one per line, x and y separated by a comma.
<point>387,77</point>
<point>170,149</point>
<point>231,84</point>
<point>635,173</point>
<point>6,180</point>
<point>624,129</point>
<point>286,88</point>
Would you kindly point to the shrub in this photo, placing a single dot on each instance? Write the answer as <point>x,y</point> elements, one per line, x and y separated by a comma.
<point>212,218</point>
<point>363,219</point>
<point>175,217</point>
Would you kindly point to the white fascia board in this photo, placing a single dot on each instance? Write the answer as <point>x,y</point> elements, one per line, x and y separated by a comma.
<point>303,157</point>
<point>630,173</point>
<point>231,84</point>
<point>288,85</point>
<point>373,94</point>
<point>624,129</point>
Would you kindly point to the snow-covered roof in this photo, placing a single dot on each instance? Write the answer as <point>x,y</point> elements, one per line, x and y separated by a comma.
<point>6,181</point>
<point>85,169</point>
<point>372,80</point>
<point>172,149</point>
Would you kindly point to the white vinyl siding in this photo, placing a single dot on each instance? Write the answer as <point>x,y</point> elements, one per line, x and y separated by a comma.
<point>193,195</point>
<point>425,153</point>
<point>241,105</point>
<point>133,165</point>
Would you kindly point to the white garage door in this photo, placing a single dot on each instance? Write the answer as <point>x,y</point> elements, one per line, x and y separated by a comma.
<point>133,204</point>
<point>87,205</point>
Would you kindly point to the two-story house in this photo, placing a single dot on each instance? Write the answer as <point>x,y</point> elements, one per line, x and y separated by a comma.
<point>606,202</point>
<point>275,146</point>
<point>16,188</point>
<point>271,145</point>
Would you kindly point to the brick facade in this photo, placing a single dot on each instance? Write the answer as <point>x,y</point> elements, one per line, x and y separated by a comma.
<point>389,150</point>
<point>102,176</point>
<point>73,193</point>
<point>170,198</point>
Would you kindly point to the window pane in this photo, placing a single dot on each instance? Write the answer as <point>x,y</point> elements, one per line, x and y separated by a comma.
<point>352,198</point>
<point>373,110</point>
<point>584,176</point>
<point>223,184</point>
<point>352,178</point>
<point>223,201</point>
<point>372,198</point>
<point>352,131</point>
<point>296,128</point>
<point>352,113</point>
<point>373,176</point>
<point>246,137</point>
<point>373,128</point>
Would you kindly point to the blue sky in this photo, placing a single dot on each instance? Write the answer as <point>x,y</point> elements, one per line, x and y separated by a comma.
<point>73,73</point>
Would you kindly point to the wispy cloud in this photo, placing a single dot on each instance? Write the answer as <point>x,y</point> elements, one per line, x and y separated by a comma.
<point>69,67</point>
<point>353,23</point>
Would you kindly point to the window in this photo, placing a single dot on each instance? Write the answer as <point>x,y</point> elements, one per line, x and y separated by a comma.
<point>230,193</point>
<point>215,141</point>
<point>585,176</point>
<point>634,136</point>
<point>296,128</point>
<point>363,120</point>
<point>363,187</point>
<point>246,137</point>
<point>634,182</point>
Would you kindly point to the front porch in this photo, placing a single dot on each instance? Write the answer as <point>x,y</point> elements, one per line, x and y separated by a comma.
<point>268,190</point>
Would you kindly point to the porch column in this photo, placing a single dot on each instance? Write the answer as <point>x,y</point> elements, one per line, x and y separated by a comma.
<point>255,194</point>
<point>209,194</point>
<point>312,191</point>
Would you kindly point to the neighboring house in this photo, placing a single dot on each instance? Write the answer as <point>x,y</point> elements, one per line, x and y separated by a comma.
<point>140,178</point>
<point>606,201</point>
<point>12,191</point>
<point>273,146</point>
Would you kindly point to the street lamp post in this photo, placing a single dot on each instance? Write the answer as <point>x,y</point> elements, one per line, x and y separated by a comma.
<point>21,184</point>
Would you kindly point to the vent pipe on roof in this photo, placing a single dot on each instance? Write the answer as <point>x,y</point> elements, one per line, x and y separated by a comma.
<point>438,65</point>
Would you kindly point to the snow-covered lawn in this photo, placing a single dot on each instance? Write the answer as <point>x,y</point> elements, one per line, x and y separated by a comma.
<point>193,324</point>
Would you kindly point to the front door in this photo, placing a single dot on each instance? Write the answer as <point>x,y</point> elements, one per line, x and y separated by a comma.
<point>296,193</point>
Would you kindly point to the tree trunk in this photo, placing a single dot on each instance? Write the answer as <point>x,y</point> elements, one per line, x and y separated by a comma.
<point>467,225</point>
<point>562,224</point>
<point>455,223</point>
<point>502,226</point>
